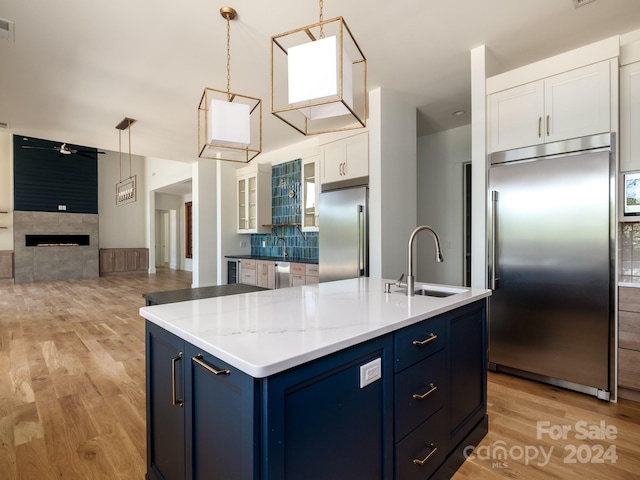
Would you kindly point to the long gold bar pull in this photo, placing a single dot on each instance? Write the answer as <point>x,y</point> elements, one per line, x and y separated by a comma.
<point>433,448</point>
<point>539,127</point>
<point>198,359</point>
<point>431,338</point>
<point>432,388</point>
<point>174,400</point>
<point>548,133</point>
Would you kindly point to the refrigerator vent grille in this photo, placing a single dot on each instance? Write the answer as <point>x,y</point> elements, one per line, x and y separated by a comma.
<point>580,3</point>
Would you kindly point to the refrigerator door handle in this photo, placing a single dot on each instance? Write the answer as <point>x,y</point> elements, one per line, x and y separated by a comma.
<point>361,240</point>
<point>494,242</point>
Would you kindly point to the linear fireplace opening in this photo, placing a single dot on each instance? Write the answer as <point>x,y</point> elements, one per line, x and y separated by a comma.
<point>57,240</point>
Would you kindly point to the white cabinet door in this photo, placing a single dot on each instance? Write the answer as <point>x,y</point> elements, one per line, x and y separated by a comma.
<point>577,103</point>
<point>569,105</point>
<point>345,159</point>
<point>630,117</point>
<point>254,199</point>
<point>515,117</point>
<point>310,193</point>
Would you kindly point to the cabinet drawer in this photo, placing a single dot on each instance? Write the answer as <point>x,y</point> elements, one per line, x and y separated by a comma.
<point>426,444</point>
<point>312,269</point>
<point>417,342</point>
<point>629,299</point>
<point>297,268</point>
<point>629,330</point>
<point>248,277</point>
<point>427,378</point>
<point>248,264</point>
<point>629,368</point>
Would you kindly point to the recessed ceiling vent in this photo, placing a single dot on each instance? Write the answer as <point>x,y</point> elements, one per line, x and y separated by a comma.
<point>580,3</point>
<point>6,30</point>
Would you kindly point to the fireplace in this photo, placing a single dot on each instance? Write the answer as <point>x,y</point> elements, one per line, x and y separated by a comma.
<point>54,240</point>
<point>55,246</point>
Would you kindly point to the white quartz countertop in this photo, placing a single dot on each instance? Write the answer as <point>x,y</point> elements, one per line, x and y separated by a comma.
<point>628,281</point>
<point>267,332</point>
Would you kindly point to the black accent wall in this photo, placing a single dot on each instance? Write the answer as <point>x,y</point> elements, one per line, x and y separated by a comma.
<point>44,178</point>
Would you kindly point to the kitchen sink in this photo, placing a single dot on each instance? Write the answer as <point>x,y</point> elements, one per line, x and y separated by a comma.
<point>438,291</point>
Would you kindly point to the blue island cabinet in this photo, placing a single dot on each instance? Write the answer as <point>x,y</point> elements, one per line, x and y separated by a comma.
<point>405,405</point>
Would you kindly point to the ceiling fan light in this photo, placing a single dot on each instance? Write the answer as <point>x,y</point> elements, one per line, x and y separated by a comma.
<point>314,75</point>
<point>229,124</point>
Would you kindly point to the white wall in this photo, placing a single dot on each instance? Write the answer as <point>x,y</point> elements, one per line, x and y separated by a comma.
<point>392,182</point>
<point>441,203</point>
<point>6,191</point>
<point>120,226</point>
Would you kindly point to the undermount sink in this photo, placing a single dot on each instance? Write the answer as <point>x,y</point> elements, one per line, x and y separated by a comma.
<point>438,291</point>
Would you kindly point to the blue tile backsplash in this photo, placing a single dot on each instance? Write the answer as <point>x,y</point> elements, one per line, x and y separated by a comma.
<point>286,208</point>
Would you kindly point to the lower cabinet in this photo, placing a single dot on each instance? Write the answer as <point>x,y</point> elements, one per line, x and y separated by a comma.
<point>629,343</point>
<point>320,420</point>
<point>265,273</point>
<point>123,260</point>
<point>200,413</point>
<point>6,264</point>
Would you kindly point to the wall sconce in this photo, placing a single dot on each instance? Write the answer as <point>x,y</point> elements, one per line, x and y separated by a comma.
<point>229,124</point>
<point>319,78</point>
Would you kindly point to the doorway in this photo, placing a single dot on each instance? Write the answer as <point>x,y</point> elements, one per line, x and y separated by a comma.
<point>163,238</point>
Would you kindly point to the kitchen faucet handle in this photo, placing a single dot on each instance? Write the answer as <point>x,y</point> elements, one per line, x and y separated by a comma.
<point>399,283</point>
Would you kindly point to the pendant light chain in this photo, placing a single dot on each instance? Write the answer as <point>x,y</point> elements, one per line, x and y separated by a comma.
<point>129,128</point>
<point>228,58</point>
<point>321,20</point>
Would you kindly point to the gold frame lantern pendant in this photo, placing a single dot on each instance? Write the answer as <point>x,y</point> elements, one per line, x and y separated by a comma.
<point>319,78</point>
<point>229,124</point>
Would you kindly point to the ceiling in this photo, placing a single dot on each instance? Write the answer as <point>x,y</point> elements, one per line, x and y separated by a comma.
<point>75,69</point>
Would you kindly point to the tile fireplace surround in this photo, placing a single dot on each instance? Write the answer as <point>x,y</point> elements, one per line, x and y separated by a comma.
<point>51,262</point>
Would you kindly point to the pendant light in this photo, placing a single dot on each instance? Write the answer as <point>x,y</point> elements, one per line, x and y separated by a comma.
<point>229,124</point>
<point>126,191</point>
<point>319,78</point>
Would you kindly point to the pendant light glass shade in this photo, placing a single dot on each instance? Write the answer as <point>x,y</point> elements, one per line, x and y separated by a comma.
<point>229,124</point>
<point>319,78</point>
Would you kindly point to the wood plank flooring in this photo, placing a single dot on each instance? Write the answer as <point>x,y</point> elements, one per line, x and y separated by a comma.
<point>72,396</point>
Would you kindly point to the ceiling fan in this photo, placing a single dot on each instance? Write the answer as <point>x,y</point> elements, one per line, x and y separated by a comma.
<point>63,149</point>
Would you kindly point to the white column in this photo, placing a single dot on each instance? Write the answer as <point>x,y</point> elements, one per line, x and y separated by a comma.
<point>205,224</point>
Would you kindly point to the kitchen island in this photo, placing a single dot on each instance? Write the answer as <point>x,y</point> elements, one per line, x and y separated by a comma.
<point>338,380</point>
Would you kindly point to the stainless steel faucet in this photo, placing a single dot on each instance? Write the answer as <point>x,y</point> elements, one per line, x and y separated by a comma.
<point>284,247</point>
<point>439,258</point>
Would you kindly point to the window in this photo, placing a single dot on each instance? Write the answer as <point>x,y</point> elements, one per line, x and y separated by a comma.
<point>188,230</point>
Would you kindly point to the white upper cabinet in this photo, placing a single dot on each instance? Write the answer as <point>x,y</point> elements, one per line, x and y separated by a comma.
<point>345,159</point>
<point>253,198</point>
<point>569,105</point>
<point>630,117</point>
<point>310,193</point>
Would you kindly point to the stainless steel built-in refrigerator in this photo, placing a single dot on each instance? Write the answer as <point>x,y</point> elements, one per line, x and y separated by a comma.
<point>343,237</point>
<point>551,253</point>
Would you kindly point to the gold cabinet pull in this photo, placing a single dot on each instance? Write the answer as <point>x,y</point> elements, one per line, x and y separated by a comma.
<point>431,338</point>
<point>433,448</point>
<point>198,359</point>
<point>174,400</point>
<point>539,127</point>
<point>432,388</point>
<point>547,125</point>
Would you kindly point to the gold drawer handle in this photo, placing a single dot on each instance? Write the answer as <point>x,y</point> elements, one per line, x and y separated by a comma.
<point>433,448</point>
<point>198,360</point>
<point>174,400</point>
<point>432,388</point>
<point>431,338</point>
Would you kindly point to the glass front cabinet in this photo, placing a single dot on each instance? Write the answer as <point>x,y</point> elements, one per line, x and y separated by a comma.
<point>310,193</point>
<point>254,199</point>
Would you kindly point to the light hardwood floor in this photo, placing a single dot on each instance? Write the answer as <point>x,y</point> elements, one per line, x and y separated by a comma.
<point>72,396</point>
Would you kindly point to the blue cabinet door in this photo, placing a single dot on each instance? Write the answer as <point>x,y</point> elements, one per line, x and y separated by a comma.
<point>165,399</point>
<point>320,424</point>
<point>222,419</point>
<point>468,370</point>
